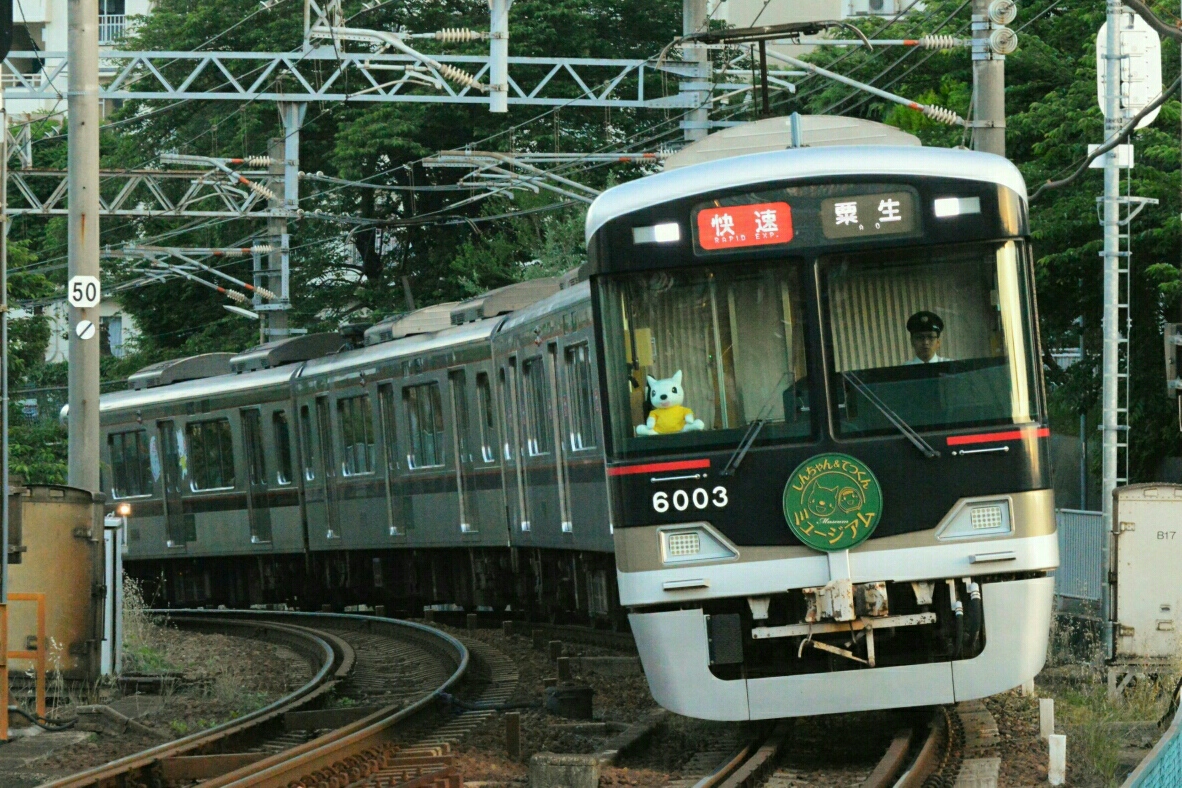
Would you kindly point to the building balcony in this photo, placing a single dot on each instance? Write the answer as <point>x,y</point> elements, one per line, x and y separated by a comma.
<point>111,27</point>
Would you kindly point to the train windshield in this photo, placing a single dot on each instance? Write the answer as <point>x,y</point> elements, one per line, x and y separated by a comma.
<point>703,353</point>
<point>940,338</point>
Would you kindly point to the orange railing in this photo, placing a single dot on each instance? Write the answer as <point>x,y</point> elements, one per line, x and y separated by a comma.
<point>38,656</point>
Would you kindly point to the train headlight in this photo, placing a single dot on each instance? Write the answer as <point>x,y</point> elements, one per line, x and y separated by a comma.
<point>666,233</point>
<point>977,518</point>
<point>681,544</point>
<point>123,510</point>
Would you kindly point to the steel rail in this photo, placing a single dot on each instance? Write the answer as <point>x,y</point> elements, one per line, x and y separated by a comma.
<point>356,746</point>
<point>332,661</point>
<point>930,756</point>
<point>753,761</point>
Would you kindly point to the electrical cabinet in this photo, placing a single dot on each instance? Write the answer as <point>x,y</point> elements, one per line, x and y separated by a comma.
<point>1147,572</point>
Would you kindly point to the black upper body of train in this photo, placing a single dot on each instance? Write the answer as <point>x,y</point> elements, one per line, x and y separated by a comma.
<point>843,299</point>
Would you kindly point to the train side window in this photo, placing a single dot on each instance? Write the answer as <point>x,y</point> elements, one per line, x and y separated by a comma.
<point>536,406</point>
<point>306,442</point>
<point>389,427</point>
<point>509,421</point>
<point>580,385</point>
<point>486,418</point>
<point>282,446</point>
<point>356,414</point>
<point>131,466</point>
<point>252,429</point>
<point>211,454</point>
<point>424,413</point>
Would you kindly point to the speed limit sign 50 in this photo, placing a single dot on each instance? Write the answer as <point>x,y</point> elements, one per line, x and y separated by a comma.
<point>84,291</point>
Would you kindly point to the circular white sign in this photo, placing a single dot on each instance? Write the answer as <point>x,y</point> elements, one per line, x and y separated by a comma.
<point>84,291</point>
<point>84,329</point>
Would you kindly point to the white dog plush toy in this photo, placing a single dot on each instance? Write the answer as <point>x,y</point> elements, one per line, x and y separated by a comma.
<point>668,414</point>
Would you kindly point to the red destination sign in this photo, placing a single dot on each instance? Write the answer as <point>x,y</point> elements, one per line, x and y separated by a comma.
<point>744,225</point>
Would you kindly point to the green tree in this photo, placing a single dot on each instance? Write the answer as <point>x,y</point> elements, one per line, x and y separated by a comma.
<point>1052,115</point>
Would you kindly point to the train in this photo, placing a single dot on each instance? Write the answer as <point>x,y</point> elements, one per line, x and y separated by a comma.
<point>787,423</point>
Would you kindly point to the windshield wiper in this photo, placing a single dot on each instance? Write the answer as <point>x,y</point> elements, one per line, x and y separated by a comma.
<point>753,429</point>
<point>894,418</point>
<point>749,436</point>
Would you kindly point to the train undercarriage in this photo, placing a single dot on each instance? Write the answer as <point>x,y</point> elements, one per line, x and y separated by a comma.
<point>542,584</point>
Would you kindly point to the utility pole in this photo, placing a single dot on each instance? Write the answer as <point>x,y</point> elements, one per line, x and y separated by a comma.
<point>1113,121</point>
<point>989,74</point>
<point>498,55</point>
<point>285,162</point>
<point>4,522</point>
<point>83,258</point>
<point>1109,421</point>
<point>697,121</point>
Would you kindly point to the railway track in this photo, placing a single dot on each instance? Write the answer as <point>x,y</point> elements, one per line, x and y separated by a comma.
<point>389,671</point>
<point>914,758</point>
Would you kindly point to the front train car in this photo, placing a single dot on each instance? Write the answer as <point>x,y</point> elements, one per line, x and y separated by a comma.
<point>826,432</point>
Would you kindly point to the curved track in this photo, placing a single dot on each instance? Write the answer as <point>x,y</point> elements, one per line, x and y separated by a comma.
<point>391,670</point>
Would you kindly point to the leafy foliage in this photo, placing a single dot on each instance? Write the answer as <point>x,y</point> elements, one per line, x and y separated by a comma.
<point>1052,115</point>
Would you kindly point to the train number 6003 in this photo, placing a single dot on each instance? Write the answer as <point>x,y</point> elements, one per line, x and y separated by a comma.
<point>699,498</point>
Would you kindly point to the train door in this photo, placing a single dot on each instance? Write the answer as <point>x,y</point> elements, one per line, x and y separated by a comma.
<point>580,437</point>
<point>314,495</point>
<point>558,415</point>
<point>328,466</point>
<point>462,444</point>
<point>173,473</point>
<point>512,448</point>
<point>396,509</point>
<point>257,506</point>
<point>539,458</point>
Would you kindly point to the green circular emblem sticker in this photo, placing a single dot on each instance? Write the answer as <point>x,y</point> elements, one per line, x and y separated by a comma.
<point>832,502</point>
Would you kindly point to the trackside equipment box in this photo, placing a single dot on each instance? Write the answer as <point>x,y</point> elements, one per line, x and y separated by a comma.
<point>1147,579</point>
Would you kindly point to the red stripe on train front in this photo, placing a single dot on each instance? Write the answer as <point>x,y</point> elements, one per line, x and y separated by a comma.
<point>658,467</point>
<point>997,437</point>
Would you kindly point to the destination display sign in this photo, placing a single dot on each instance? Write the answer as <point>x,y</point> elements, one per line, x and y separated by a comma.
<point>863,215</point>
<point>736,226</point>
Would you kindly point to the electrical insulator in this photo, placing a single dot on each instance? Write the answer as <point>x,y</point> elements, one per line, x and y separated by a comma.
<point>258,161</point>
<point>1003,41</point>
<point>260,189</point>
<point>262,249</point>
<point>234,295</point>
<point>267,294</point>
<point>941,115</point>
<point>1002,12</point>
<point>941,42</point>
<point>463,77</point>
<point>456,35</point>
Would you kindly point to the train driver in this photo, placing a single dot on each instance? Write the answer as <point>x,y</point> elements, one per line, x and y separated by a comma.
<point>925,329</point>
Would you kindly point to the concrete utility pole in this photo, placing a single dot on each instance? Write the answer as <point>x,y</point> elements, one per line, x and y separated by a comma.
<point>83,151</point>
<point>989,84</point>
<point>498,55</point>
<point>694,20</point>
<point>4,523</point>
<point>1113,121</point>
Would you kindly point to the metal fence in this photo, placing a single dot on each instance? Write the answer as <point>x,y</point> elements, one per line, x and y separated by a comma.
<point>1081,554</point>
<point>1162,767</point>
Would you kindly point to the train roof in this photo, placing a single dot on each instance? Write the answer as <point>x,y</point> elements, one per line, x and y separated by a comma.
<point>417,345</point>
<point>201,388</point>
<point>800,164</point>
<point>561,300</point>
<point>414,345</point>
